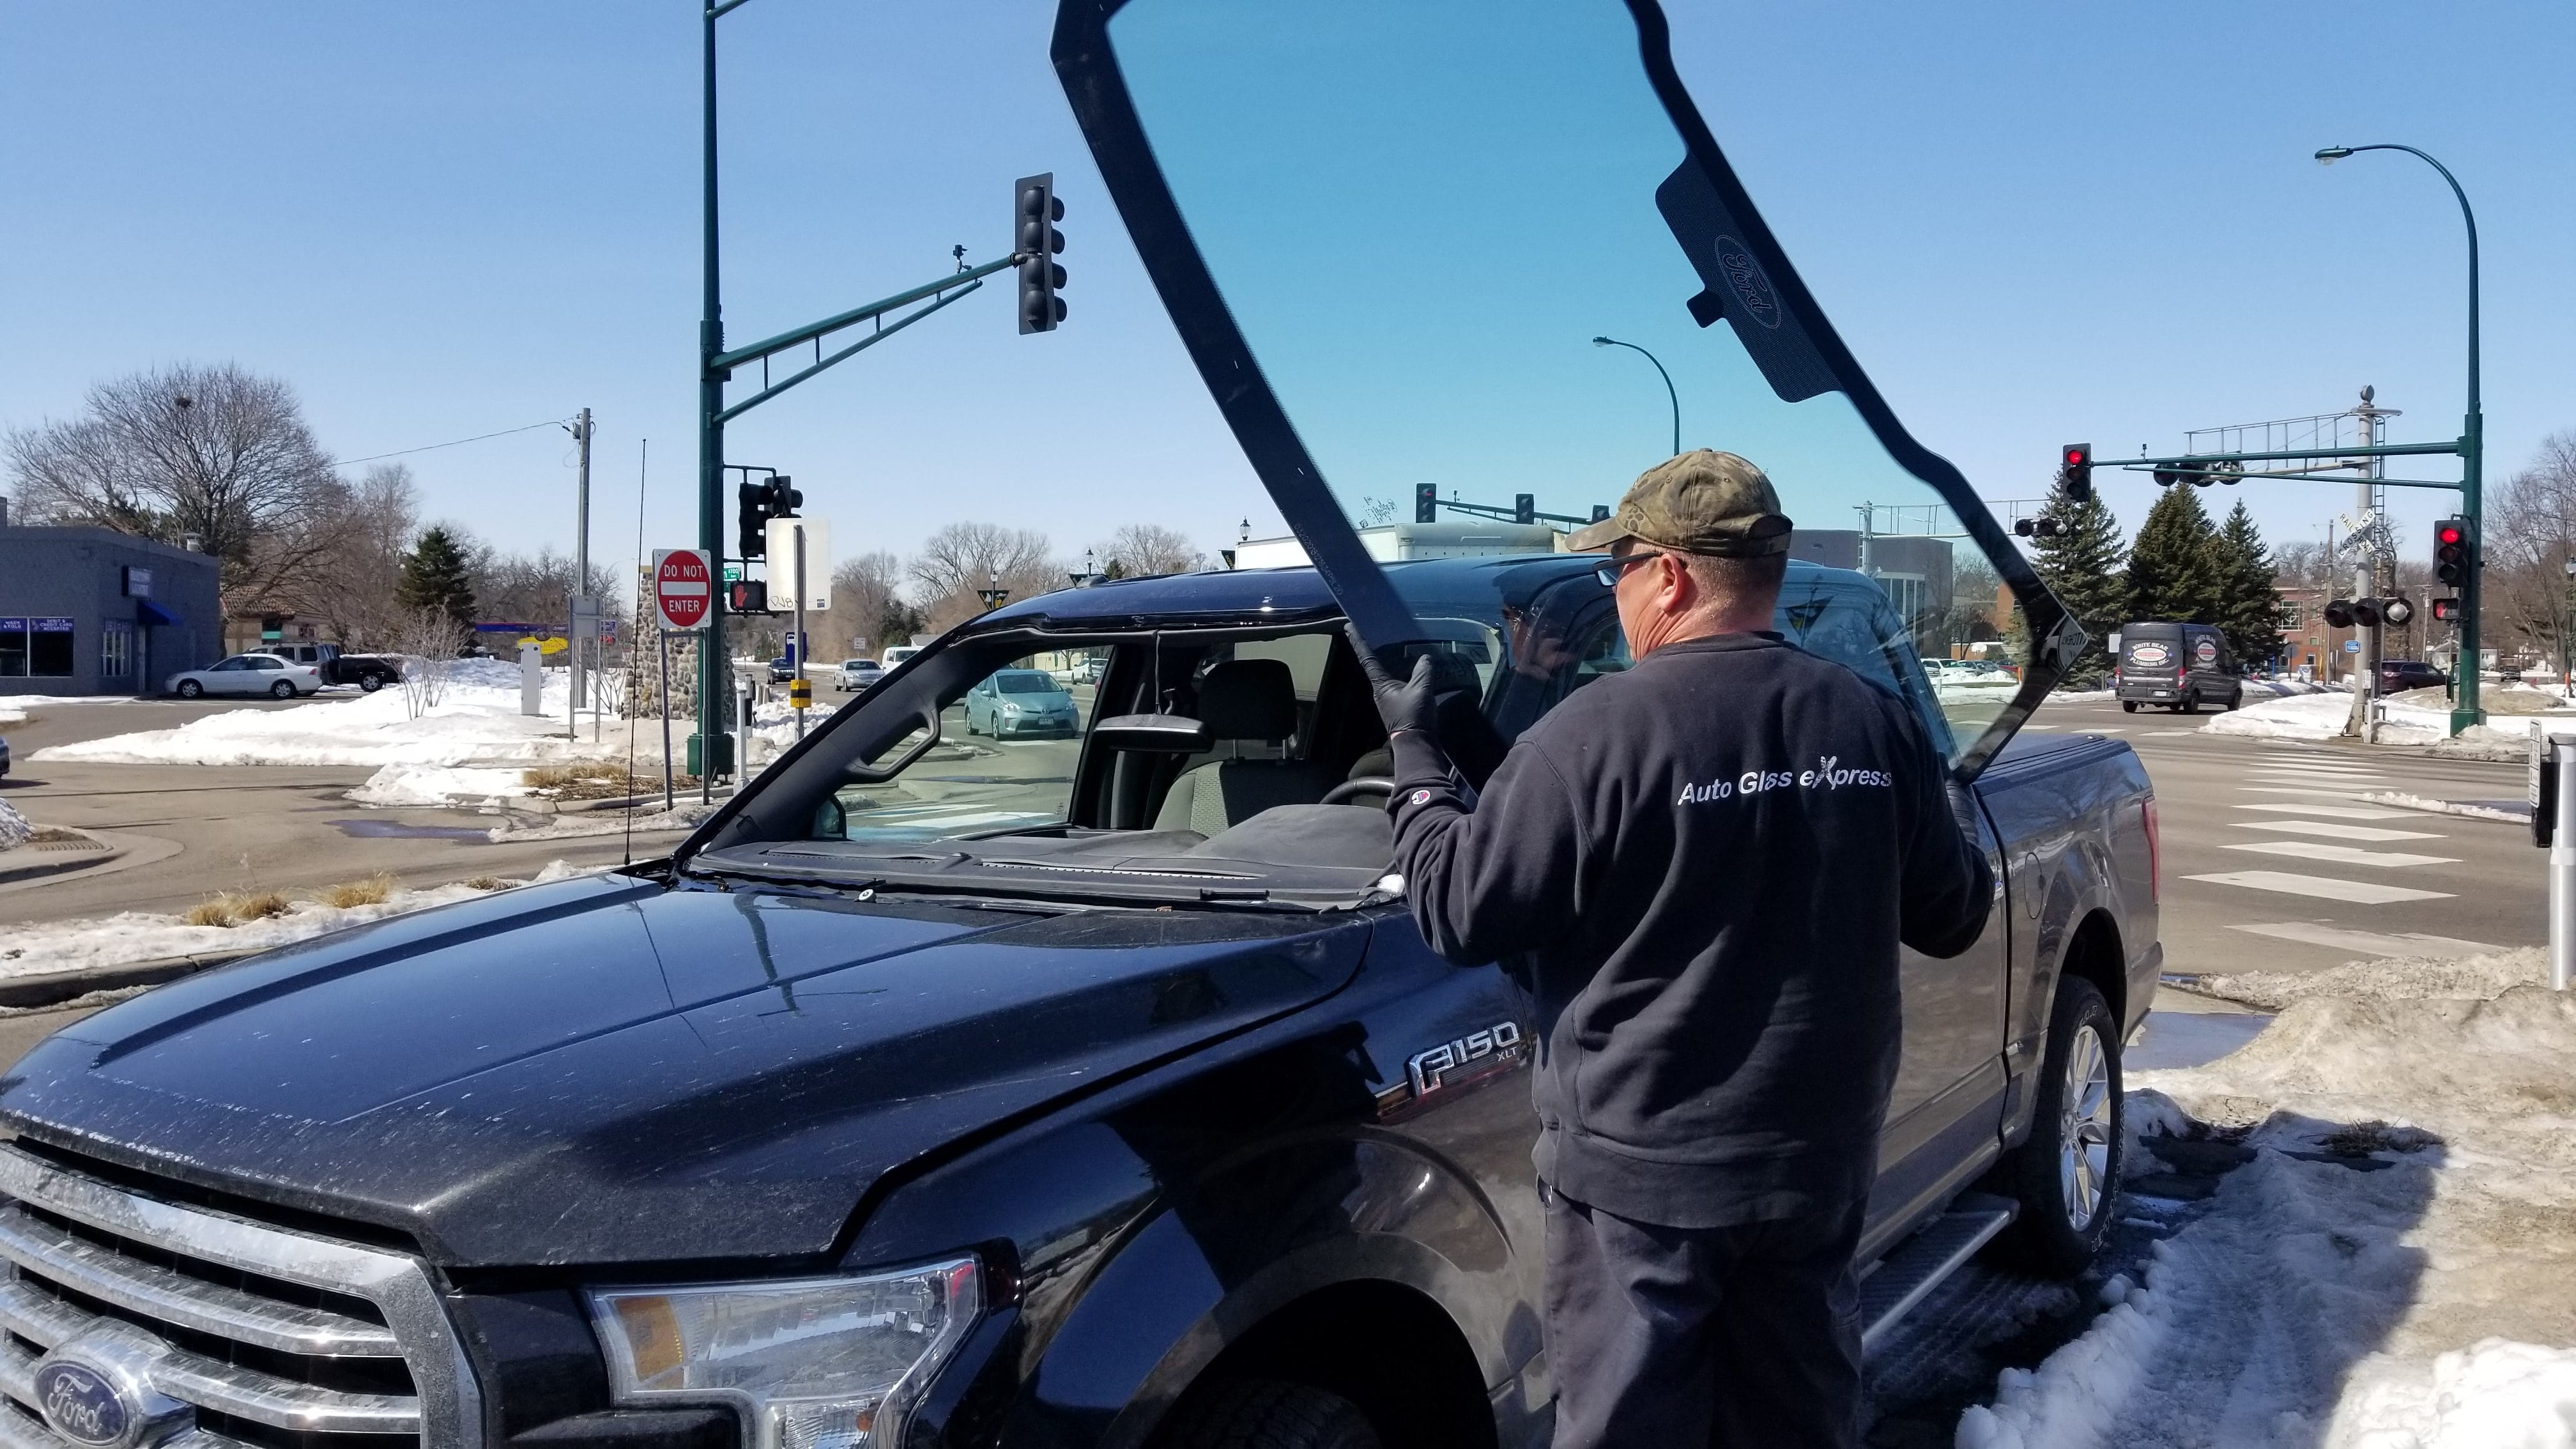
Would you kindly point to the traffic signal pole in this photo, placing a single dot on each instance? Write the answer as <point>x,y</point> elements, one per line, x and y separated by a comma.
<point>712,670</point>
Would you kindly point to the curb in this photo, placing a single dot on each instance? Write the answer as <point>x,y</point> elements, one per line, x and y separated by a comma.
<point>55,988</point>
<point>62,860</point>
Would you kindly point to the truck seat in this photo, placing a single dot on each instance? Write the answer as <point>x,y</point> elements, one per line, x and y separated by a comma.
<point>1243,699</point>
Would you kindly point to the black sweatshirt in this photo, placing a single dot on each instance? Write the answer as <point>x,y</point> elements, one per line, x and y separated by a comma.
<point>1702,868</point>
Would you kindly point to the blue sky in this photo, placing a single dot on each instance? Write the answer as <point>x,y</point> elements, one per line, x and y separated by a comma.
<point>2033,224</point>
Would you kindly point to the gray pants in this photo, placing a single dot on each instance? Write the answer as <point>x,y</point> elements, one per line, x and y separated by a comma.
<point>1665,1337</point>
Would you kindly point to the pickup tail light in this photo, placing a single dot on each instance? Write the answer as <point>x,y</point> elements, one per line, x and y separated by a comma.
<point>2155,854</point>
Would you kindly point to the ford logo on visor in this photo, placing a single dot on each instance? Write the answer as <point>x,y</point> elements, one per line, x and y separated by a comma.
<point>81,1404</point>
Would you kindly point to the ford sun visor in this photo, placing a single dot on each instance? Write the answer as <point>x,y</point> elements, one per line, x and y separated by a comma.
<point>1397,236</point>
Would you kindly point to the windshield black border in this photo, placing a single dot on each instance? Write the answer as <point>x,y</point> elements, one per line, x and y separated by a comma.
<point>1098,93</point>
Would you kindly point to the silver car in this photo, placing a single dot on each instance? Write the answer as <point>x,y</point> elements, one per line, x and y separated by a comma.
<point>1020,702</point>
<point>248,674</point>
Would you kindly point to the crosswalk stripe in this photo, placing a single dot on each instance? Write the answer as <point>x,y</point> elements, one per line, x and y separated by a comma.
<point>2343,854</point>
<point>2173,732</point>
<point>2368,943</point>
<point>2339,812</point>
<point>2343,794</point>
<point>2359,892</point>
<point>2333,830</point>
<point>2338,772</point>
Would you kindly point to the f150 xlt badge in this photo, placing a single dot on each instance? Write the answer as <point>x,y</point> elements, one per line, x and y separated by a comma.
<point>1454,1063</point>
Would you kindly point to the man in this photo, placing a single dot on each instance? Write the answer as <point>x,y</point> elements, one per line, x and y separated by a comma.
<point>1704,866</point>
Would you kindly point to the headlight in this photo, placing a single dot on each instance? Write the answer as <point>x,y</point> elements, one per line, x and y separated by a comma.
<point>1008,708</point>
<point>809,1363</point>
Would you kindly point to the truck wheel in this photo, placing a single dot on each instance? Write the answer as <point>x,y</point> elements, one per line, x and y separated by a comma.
<point>2236,701</point>
<point>2067,1174</point>
<point>1267,1414</point>
<point>2190,703</point>
<point>371,681</point>
<point>2128,706</point>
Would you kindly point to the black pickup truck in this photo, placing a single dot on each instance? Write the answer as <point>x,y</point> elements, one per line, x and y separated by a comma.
<point>1099,1090</point>
<point>369,672</point>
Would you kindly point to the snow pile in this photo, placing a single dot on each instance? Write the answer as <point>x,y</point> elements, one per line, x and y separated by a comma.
<point>2407,978</point>
<point>684,814</point>
<point>437,784</point>
<point>476,721</point>
<point>2396,1266</point>
<point>2322,716</point>
<point>14,828</point>
<point>119,940</point>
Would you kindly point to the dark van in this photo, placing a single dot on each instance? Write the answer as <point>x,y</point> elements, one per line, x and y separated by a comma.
<point>2180,666</point>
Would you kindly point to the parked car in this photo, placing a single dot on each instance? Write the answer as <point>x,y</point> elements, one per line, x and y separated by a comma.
<point>247,674</point>
<point>1020,702</point>
<point>858,674</point>
<point>1033,1102</point>
<point>2396,675</point>
<point>2179,666</point>
<point>4,754</point>
<point>369,672</point>
<point>899,653</point>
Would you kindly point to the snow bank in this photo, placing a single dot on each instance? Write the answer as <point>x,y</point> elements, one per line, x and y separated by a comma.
<point>14,828</point>
<point>2404,978</point>
<point>2417,717</point>
<point>2396,1266</point>
<point>437,784</point>
<point>476,721</point>
<point>683,815</point>
<point>118,940</point>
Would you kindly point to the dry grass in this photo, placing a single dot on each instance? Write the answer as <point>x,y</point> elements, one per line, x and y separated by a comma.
<point>232,908</point>
<point>369,892</point>
<point>549,776</point>
<point>484,883</point>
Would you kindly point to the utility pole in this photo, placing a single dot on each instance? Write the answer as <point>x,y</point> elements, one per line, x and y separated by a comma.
<point>580,563</point>
<point>2365,573</point>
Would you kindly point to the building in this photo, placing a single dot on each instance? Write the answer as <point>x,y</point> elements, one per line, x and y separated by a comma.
<point>1397,542</point>
<point>92,611</point>
<point>2308,642</point>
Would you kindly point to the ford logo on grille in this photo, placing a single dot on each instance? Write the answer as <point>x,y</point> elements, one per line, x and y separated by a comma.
<point>81,1404</point>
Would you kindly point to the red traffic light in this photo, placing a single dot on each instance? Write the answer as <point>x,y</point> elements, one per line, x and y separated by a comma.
<point>2449,533</point>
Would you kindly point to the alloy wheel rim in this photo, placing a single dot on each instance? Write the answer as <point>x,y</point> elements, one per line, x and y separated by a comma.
<point>2084,1129</point>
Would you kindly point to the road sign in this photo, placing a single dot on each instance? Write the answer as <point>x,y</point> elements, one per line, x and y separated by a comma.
<point>683,587</point>
<point>2352,646</point>
<point>783,588</point>
<point>733,573</point>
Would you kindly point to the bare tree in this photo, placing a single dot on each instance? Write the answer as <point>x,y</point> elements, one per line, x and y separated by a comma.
<point>2530,534</point>
<point>430,643</point>
<point>1149,548</point>
<point>212,453</point>
<point>351,587</point>
<point>962,558</point>
<point>867,591</point>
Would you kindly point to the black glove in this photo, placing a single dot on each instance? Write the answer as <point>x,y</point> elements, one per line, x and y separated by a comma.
<point>1410,704</point>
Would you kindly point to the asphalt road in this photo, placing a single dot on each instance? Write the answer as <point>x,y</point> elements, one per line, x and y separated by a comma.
<point>193,830</point>
<point>2271,861</point>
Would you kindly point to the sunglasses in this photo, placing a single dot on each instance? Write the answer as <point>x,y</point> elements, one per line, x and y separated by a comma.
<point>1609,573</point>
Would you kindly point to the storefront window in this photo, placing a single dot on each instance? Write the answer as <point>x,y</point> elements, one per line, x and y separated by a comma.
<point>13,648</point>
<point>49,648</point>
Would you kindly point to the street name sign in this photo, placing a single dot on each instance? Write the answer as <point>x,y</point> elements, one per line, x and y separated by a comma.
<point>683,587</point>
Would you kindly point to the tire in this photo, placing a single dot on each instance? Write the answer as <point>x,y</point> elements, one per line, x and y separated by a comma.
<point>2128,706</point>
<point>189,689</point>
<point>2190,703</point>
<point>2056,1233</point>
<point>371,681</point>
<point>281,690</point>
<point>1267,1414</point>
<point>2236,701</point>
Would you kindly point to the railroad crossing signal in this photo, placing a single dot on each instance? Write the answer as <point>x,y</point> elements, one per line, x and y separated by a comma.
<point>2041,527</point>
<point>1036,243</point>
<point>2454,552</point>
<point>2075,471</point>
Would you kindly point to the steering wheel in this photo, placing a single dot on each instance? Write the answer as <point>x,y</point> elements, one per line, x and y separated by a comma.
<point>1365,785</point>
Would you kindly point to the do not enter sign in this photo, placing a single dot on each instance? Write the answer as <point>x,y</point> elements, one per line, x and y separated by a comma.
<point>683,587</point>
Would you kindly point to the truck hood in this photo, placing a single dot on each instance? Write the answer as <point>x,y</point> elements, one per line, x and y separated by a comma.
<point>607,1070</point>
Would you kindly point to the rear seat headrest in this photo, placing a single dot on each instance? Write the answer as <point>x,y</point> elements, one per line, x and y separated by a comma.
<point>1249,699</point>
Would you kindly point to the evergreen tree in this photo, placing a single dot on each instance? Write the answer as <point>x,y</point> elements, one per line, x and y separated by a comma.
<point>2249,609</point>
<point>436,575</point>
<point>2081,565</point>
<point>2174,568</point>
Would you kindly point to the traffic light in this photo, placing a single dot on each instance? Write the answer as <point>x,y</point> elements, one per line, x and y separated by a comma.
<point>1426,503</point>
<point>2075,471</point>
<point>747,596</point>
<point>1035,241</point>
<point>2454,552</point>
<point>2447,611</point>
<point>783,497</point>
<point>751,519</point>
<point>1524,508</point>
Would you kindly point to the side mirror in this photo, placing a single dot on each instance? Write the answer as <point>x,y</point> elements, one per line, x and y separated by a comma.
<point>1175,734</point>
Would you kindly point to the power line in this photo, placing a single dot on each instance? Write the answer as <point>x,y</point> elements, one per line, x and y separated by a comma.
<point>432,447</point>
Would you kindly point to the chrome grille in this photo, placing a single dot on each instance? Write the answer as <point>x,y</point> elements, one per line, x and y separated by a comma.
<point>245,1335</point>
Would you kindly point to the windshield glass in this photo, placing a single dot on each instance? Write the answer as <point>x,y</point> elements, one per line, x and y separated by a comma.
<point>1020,681</point>
<point>990,771</point>
<point>1463,241</point>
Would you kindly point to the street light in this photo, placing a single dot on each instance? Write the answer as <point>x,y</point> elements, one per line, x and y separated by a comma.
<point>1659,372</point>
<point>2472,439</point>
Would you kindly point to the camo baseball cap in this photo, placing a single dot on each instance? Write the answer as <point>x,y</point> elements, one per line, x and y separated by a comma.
<point>1700,502</point>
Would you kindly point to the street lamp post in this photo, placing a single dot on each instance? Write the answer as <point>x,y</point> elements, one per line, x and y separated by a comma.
<point>2465,711</point>
<point>1659,372</point>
